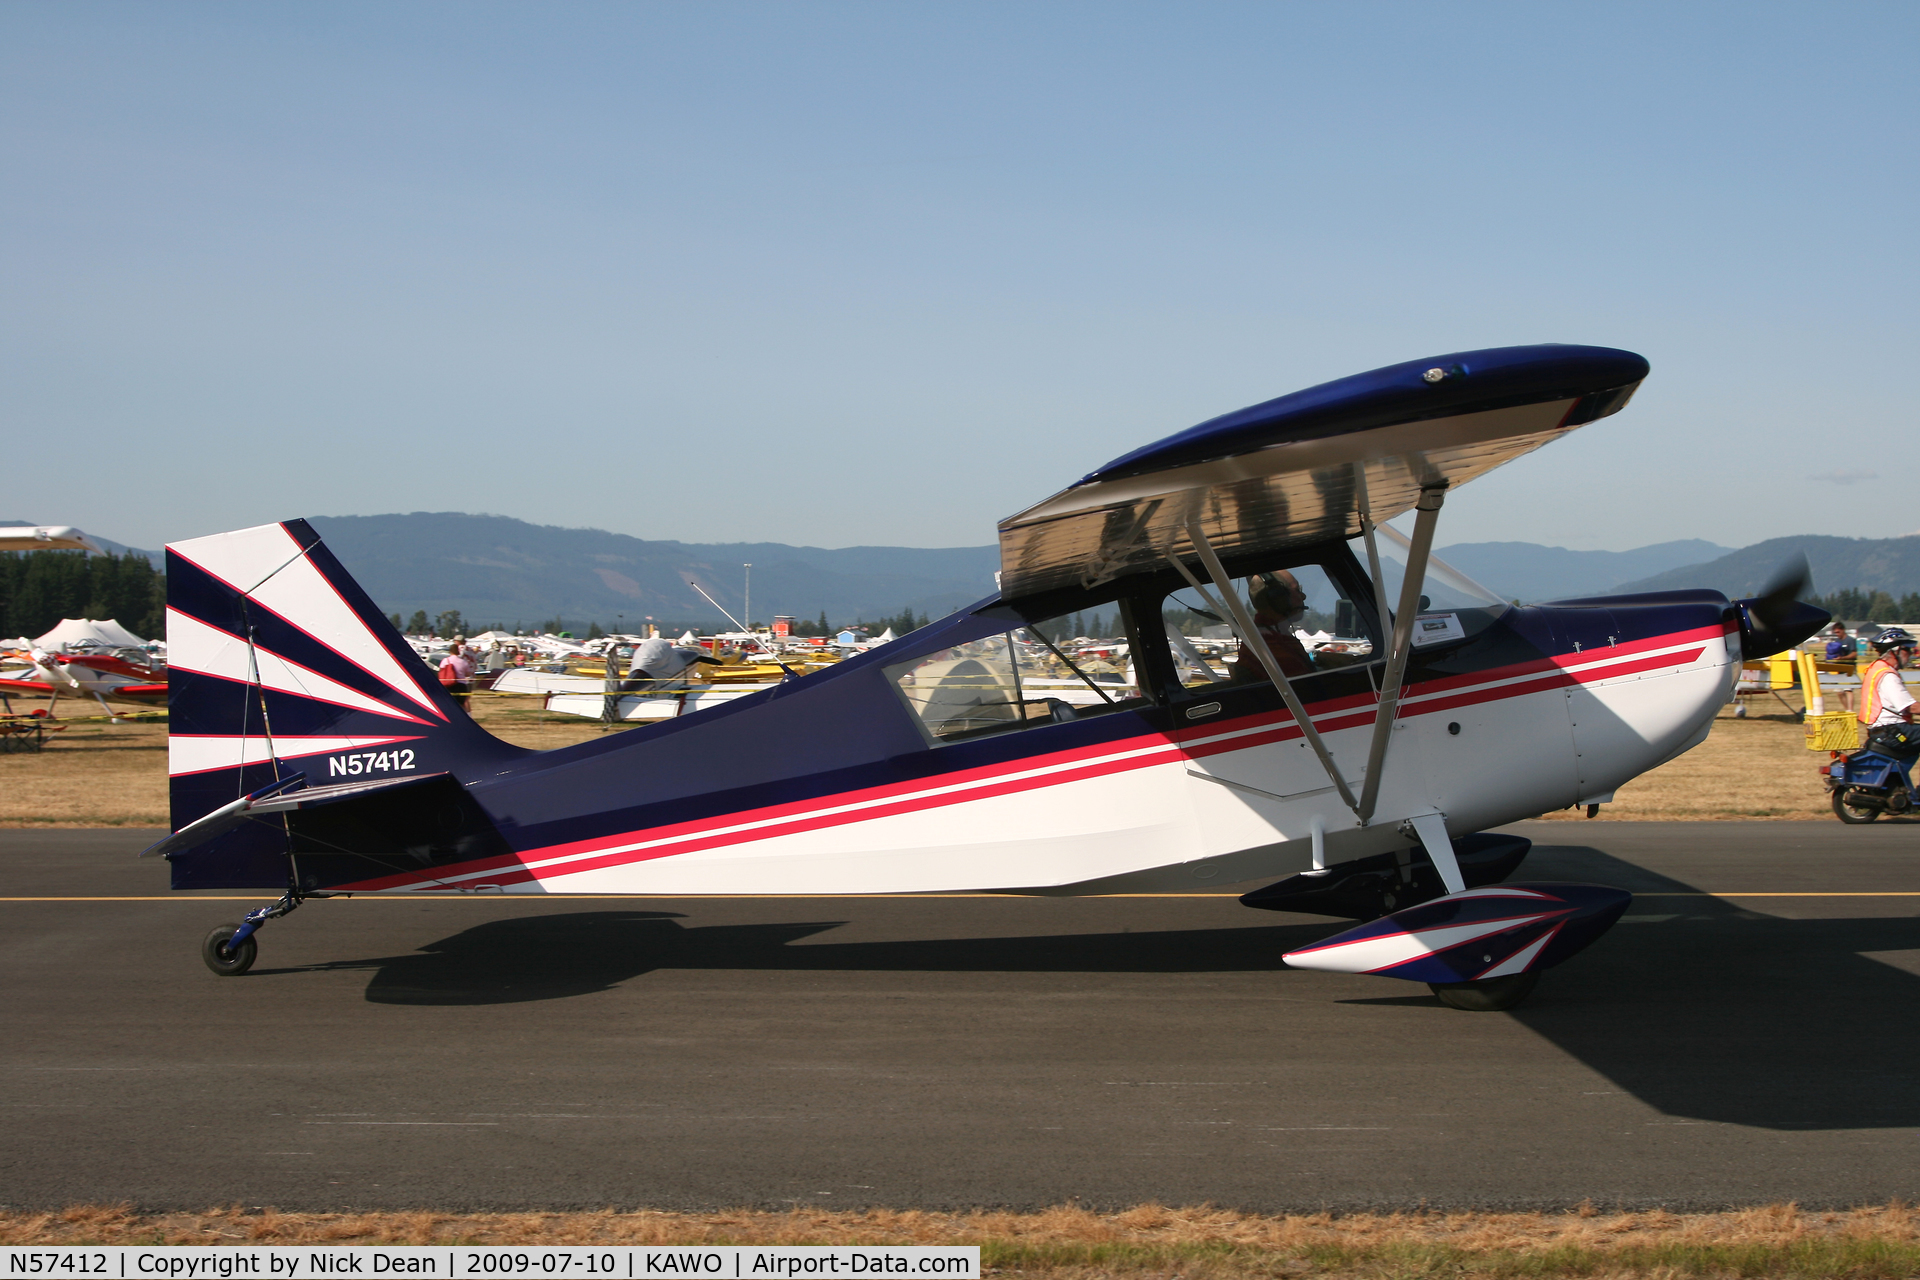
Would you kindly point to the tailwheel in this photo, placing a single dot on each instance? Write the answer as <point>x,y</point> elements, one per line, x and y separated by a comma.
<point>1486,995</point>
<point>228,962</point>
<point>1853,811</point>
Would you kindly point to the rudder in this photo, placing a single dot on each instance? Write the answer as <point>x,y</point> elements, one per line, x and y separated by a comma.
<point>279,664</point>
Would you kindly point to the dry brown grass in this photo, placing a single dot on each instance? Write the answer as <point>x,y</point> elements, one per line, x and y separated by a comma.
<point>91,774</point>
<point>96,774</point>
<point>522,721</point>
<point>1756,768</point>
<point>1148,1240</point>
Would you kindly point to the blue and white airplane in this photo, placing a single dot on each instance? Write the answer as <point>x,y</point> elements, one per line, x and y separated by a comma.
<point>312,753</point>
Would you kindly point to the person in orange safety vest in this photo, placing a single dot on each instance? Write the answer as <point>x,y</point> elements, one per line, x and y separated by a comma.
<point>1884,698</point>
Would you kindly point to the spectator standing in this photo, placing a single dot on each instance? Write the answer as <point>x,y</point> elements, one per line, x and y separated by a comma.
<point>1840,648</point>
<point>456,673</point>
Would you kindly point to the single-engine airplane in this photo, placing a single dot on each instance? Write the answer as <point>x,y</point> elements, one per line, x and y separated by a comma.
<point>311,752</point>
<point>100,676</point>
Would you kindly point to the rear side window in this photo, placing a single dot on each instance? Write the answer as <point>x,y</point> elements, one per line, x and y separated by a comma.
<point>1044,673</point>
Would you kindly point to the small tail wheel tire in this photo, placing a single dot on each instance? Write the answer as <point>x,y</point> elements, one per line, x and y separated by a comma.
<point>228,962</point>
<point>1852,812</point>
<point>1486,995</point>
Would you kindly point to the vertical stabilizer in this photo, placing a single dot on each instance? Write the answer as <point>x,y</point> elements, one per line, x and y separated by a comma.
<point>279,664</point>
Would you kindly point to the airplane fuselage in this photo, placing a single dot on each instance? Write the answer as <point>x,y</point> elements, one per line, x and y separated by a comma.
<point>829,788</point>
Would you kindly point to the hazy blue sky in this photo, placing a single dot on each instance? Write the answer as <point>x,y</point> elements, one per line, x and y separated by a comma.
<point>884,273</point>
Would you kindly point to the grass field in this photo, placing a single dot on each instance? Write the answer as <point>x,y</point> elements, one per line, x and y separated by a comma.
<point>95,773</point>
<point>1146,1241</point>
<point>98,774</point>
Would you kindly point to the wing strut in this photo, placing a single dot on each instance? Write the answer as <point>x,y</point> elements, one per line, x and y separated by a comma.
<point>1251,637</point>
<point>1365,502</point>
<point>1426,515</point>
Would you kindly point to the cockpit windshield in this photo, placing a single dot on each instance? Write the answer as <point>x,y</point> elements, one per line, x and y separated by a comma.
<point>1452,605</point>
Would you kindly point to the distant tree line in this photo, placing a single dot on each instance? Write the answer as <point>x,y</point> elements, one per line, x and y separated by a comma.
<point>451,622</point>
<point>1190,622</point>
<point>1098,624</point>
<point>38,588</point>
<point>1858,605</point>
<point>446,624</point>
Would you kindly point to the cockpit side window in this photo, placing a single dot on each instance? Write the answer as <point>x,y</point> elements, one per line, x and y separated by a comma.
<point>1316,616</point>
<point>1049,671</point>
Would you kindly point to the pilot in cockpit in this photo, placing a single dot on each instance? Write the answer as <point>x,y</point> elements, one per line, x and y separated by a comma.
<point>1278,603</point>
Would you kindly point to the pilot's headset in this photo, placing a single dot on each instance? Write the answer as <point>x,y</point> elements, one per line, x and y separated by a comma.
<point>1275,596</point>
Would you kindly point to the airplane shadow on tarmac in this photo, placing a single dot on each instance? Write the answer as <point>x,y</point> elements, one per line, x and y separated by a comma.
<point>1702,1008</point>
<point>1710,1010</point>
<point>548,957</point>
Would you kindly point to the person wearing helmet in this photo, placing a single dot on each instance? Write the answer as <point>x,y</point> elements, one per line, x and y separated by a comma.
<point>1885,704</point>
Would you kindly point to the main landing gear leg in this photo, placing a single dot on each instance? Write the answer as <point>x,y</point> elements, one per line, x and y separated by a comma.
<point>230,949</point>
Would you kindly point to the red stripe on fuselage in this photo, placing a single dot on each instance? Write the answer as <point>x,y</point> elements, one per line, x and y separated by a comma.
<point>1140,751</point>
<point>1418,701</point>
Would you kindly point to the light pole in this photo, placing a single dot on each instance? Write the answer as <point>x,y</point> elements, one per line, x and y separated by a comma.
<point>746,602</point>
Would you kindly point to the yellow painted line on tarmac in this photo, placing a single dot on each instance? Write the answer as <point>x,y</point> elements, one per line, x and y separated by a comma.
<point>455,895</point>
<point>1886,893</point>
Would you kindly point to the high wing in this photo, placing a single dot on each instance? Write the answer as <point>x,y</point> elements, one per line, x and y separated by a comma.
<point>47,538</point>
<point>1308,466</point>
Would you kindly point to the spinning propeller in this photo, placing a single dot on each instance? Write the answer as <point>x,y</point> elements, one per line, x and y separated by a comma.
<point>1776,619</point>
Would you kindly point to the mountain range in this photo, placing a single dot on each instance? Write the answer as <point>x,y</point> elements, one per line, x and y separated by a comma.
<point>498,569</point>
<point>1528,571</point>
<point>1870,564</point>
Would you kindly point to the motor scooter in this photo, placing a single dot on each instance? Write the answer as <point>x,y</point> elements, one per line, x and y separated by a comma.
<point>1870,782</point>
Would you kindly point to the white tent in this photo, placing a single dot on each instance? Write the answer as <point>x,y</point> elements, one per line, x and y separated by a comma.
<point>108,635</point>
<point>490,637</point>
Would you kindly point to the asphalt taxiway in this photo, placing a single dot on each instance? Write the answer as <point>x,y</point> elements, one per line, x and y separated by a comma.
<point>1749,1033</point>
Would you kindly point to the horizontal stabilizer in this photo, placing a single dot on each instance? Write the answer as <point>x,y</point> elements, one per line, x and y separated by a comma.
<point>284,796</point>
<point>1469,937</point>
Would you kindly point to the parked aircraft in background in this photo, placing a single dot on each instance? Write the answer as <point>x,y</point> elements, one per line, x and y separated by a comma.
<point>47,537</point>
<point>103,677</point>
<point>311,753</point>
